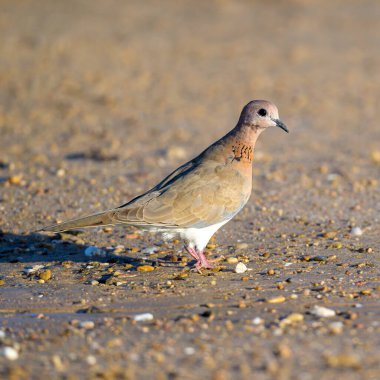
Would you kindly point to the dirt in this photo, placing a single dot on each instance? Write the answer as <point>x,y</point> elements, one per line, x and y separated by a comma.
<point>100,100</point>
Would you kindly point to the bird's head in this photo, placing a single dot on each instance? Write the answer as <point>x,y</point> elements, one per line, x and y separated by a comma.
<point>261,114</point>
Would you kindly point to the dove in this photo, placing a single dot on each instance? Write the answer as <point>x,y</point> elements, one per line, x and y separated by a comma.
<point>199,197</point>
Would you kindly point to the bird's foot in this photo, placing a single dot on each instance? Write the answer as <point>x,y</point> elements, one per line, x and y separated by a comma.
<point>202,261</point>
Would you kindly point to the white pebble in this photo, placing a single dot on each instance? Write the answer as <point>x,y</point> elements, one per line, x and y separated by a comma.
<point>2,334</point>
<point>143,317</point>
<point>94,251</point>
<point>91,360</point>
<point>33,269</point>
<point>356,231</point>
<point>240,268</point>
<point>257,321</point>
<point>189,350</point>
<point>322,312</point>
<point>87,325</point>
<point>149,250</point>
<point>9,353</point>
<point>336,327</point>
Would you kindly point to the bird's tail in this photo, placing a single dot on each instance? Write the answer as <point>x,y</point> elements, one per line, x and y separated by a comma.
<point>100,219</point>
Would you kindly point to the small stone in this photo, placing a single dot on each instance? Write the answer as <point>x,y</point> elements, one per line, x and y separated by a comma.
<point>45,275</point>
<point>31,270</point>
<point>278,299</point>
<point>257,321</point>
<point>318,258</point>
<point>356,231</point>
<point>292,319</point>
<point>189,350</point>
<point>337,245</point>
<point>94,251</point>
<point>94,282</point>
<point>336,327</point>
<point>15,179</point>
<point>322,312</point>
<point>149,250</point>
<point>143,317</point>
<point>271,272</point>
<point>343,361</point>
<point>9,353</point>
<point>330,234</point>
<point>145,268</point>
<point>91,360</point>
<point>240,268</point>
<point>60,172</point>
<point>2,282</point>
<point>241,246</point>
<point>232,260</point>
<point>375,156</point>
<point>86,325</point>
<point>283,351</point>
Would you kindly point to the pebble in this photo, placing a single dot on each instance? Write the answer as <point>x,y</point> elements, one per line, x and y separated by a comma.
<point>343,361</point>
<point>292,319</point>
<point>278,299</point>
<point>9,353</point>
<point>143,317</point>
<point>91,360</point>
<point>45,275</point>
<point>356,231</point>
<point>375,156</point>
<point>2,282</point>
<point>322,312</point>
<point>240,268</point>
<point>189,350</point>
<point>257,321</point>
<point>94,251</point>
<point>241,246</point>
<point>15,179</point>
<point>94,282</point>
<point>232,260</point>
<point>2,334</point>
<point>330,234</point>
<point>145,268</point>
<point>33,269</point>
<point>149,250</point>
<point>87,325</point>
<point>336,327</point>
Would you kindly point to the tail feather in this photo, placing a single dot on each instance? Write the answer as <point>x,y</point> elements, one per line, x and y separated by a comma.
<point>100,219</point>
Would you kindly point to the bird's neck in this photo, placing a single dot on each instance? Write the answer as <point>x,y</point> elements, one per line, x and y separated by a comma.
<point>243,140</point>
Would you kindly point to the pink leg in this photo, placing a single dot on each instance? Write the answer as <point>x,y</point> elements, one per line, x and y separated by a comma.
<point>192,252</point>
<point>202,261</point>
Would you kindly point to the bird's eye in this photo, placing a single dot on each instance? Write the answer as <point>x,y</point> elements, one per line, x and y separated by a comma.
<point>262,112</point>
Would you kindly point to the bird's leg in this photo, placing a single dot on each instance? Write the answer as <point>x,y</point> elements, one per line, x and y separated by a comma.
<point>192,251</point>
<point>198,255</point>
<point>202,261</point>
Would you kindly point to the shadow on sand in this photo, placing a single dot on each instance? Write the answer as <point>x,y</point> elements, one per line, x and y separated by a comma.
<point>37,248</point>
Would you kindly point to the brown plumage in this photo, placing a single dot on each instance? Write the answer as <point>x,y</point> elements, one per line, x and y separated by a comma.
<point>200,196</point>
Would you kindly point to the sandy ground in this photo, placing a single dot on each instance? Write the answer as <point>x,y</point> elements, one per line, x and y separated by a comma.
<point>99,100</point>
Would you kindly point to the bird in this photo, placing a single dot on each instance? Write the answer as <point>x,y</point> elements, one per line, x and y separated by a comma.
<point>199,197</point>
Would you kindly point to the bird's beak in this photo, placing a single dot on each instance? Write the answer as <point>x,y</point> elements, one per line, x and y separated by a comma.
<point>281,125</point>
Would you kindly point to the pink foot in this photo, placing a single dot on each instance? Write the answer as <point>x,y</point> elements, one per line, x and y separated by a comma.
<point>202,261</point>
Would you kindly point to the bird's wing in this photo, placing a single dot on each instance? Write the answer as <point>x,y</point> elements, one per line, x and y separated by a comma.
<point>201,196</point>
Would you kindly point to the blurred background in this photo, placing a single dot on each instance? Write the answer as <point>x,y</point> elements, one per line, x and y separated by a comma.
<point>149,84</point>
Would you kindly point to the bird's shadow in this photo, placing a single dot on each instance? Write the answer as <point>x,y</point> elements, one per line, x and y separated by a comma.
<point>36,248</point>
